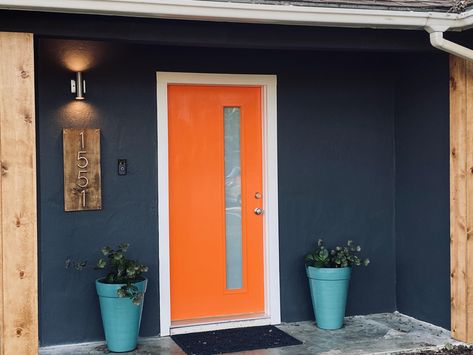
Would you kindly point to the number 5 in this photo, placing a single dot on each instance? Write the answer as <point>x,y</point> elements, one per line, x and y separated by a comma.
<point>84,159</point>
<point>80,177</point>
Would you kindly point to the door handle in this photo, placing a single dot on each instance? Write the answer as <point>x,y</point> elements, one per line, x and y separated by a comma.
<point>258,211</point>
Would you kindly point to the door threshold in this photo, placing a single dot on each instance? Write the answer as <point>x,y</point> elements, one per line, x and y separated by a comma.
<point>218,323</point>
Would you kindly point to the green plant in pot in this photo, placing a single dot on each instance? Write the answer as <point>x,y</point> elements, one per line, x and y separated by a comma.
<point>329,274</point>
<point>121,295</point>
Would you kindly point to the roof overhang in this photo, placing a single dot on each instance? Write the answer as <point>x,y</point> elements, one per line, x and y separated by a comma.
<point>251,13</point>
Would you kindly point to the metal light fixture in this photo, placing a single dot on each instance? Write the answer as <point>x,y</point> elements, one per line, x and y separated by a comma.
<point>78,86</point>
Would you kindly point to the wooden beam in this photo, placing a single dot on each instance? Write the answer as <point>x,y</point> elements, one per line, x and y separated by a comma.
<point>18,217</point>
<point>458,191</point>
<point>468,244</point>
<point>461,198</point>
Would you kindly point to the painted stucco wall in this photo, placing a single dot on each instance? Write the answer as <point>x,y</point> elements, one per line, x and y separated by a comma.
<point>121,102</point>
<point>356,115</point>
<point>336,172</point>
<point>422,188</point>
<point>336,169</point>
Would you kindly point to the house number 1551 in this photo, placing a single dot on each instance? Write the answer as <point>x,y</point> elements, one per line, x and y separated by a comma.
<point>82,185</point>
<point>82,163</point>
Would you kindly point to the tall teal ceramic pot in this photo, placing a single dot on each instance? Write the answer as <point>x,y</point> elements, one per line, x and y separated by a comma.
<point>121,318</point>
<point>329,290</point>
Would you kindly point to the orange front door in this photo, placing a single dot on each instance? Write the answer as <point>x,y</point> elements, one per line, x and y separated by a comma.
<point>215,189</point>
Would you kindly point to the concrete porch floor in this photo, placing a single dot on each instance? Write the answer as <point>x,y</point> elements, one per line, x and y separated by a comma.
<point>384,333</point>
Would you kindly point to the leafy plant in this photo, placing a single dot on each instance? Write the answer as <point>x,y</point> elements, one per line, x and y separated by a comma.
<point>121,270</point>
<point>341,256</point>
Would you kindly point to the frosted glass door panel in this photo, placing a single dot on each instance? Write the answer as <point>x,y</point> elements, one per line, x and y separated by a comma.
<point>233,228</point>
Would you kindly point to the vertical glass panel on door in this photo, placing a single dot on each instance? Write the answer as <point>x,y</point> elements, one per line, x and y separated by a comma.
<point>233,227</point>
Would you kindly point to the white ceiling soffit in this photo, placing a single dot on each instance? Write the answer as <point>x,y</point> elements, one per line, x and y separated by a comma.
<point>251,13</point>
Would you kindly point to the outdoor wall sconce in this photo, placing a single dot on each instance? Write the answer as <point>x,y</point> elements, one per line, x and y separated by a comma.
<point>78,86</point>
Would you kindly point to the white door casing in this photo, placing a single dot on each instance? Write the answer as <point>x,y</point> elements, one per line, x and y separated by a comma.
<point>268,83</point>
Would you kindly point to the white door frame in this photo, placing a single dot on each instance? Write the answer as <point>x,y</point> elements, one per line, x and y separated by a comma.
<point>270,193</point>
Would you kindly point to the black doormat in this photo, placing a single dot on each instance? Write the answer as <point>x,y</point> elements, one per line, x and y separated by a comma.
<point>233,340</point>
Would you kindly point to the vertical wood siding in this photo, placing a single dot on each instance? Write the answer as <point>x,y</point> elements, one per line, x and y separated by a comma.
<point>461,197</point>
<point>18,217</point>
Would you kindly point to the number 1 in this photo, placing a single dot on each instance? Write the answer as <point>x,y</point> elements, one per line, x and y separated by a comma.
<point>82,193</point>
<point>82,143</point>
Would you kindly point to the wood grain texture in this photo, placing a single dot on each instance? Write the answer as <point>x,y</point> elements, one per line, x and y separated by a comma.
<point>82,174</point>
<point>18,246</point>
<point>468,260</point>
<point>458,190</point>
<point>461,197</point>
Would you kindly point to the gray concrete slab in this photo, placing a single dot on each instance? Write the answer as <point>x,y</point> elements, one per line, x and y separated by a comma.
<point>384,333</point>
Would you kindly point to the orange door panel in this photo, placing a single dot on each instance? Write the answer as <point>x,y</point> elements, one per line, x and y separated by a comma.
<point>200,191</point>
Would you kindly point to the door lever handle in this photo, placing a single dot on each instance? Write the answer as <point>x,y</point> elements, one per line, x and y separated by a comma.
<point>258,211</point>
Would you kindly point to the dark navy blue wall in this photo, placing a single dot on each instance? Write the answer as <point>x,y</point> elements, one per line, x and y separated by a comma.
<point>422,188</point>
<point>336,169</point>
<point>363,154</point>
<point>336,172</point>
<point>121,102</point>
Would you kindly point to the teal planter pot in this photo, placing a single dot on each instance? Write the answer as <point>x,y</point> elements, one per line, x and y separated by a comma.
<point>121,318</point>
<point>329,290</point>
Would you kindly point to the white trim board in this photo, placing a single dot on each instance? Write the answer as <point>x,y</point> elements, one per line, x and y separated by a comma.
<point>270,191</point>
<point>250,13</point>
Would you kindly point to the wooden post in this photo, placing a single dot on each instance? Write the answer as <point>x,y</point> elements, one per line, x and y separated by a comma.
<point>18,223</point>
<point>461,198</point>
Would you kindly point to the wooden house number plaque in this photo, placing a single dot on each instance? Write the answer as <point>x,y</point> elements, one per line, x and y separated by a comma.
<point>82,181</point>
